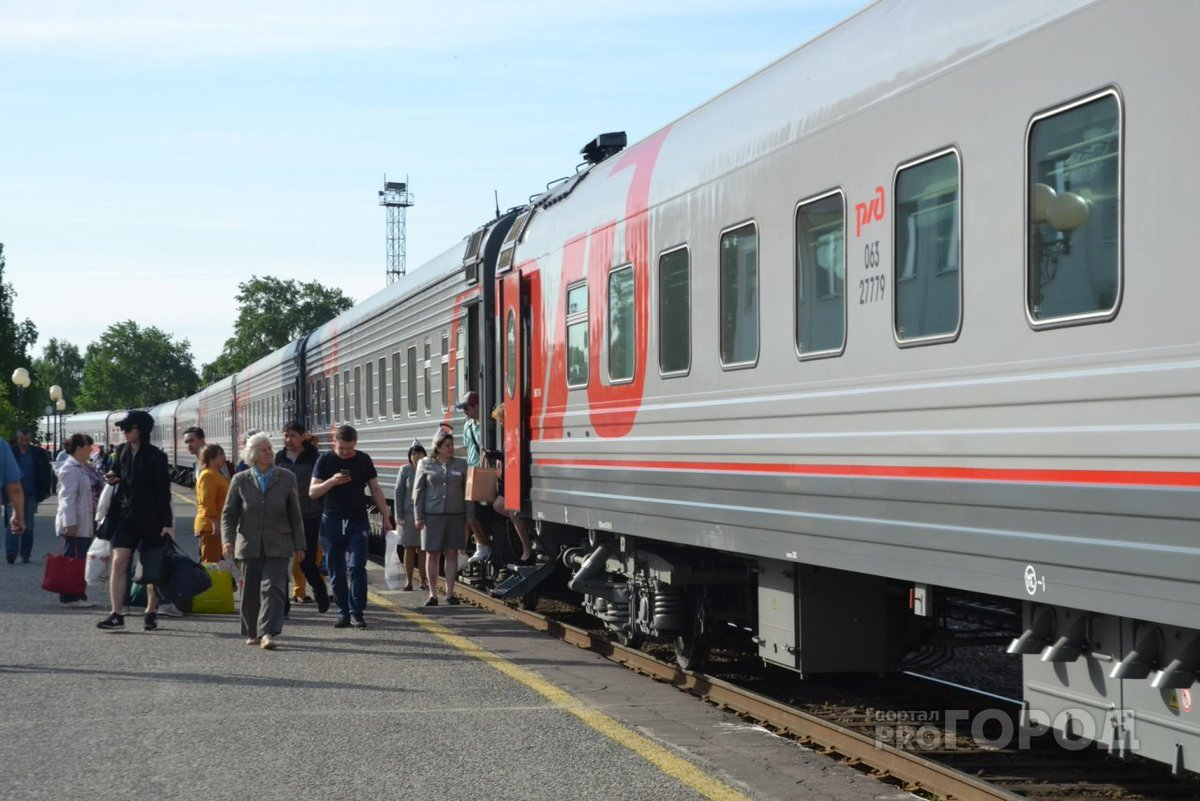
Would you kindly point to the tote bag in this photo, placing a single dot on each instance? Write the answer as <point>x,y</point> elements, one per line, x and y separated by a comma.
<point>64,574</point>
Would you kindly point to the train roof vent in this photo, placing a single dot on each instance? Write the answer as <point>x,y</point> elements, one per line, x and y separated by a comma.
<point>603,146</point>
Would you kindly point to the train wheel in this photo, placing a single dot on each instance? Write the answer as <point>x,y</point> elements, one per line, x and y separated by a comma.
<point>528,601</point>
<point>691,647</point>
<point>629,638</point>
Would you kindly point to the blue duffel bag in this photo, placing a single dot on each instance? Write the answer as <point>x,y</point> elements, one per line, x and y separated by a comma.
<point>188,578</point>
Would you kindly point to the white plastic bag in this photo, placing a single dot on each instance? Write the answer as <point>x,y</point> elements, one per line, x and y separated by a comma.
<point>393,569</point>
<point>99,555</point>
<point>103,503</point>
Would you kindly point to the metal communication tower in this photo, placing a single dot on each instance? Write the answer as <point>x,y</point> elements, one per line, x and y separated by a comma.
<point>396,198</point>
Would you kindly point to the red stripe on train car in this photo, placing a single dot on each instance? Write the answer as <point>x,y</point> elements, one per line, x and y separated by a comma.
<point>1107,477</point>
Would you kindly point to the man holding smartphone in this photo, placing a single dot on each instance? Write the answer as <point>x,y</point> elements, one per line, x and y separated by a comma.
<point>340,476</point>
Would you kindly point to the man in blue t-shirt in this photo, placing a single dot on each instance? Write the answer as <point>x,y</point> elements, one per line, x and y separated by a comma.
<point>11,491</point>
<point>340,476</point>
<point>36,484</point>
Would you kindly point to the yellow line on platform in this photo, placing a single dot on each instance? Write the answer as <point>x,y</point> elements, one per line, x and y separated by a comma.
<point>677,768</point>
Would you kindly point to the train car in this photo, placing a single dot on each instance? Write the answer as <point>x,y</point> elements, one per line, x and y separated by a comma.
<point>166,434</point>
<point>268,393</point>
<point>212,409</point>
<point>893,321</point>
<point>395,365</point>
<point>100,426</point>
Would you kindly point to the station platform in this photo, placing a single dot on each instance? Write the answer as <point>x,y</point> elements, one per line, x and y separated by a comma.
<point>443,702</point>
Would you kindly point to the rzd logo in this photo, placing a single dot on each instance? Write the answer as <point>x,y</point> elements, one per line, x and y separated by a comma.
<point>866,213</point>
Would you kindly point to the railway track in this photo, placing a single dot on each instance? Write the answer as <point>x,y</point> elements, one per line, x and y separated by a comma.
<point>956,767</point>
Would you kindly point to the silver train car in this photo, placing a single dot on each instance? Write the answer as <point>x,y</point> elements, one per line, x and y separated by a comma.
<point>890,326</point>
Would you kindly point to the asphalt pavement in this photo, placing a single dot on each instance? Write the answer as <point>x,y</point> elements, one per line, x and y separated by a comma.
<point>445,703</point>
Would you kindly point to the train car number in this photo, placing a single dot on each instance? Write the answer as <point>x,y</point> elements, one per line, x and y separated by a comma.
<point>871,288</point>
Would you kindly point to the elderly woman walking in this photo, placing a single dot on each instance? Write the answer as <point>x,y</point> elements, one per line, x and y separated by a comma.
<point>441,511</point>
<point>262,528</point>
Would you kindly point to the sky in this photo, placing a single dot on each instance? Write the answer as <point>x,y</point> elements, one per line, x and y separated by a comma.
<point>155,155</point>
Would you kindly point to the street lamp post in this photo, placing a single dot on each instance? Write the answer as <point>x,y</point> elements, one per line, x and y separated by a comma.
<point>20,377</point>
<point>61,406</point>
<point>56,397</point>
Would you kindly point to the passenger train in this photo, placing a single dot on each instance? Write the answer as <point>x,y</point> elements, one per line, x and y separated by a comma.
<point>899,320</point>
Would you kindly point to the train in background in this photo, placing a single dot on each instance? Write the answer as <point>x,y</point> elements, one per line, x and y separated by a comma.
<point>895,328</point>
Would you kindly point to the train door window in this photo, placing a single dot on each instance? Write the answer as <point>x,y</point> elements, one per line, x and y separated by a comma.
<point>510,354</point>
<point>739,296</point>
<point>927,301</point>
<point>445,385</point>
<point>1073,212</point>
<point>370,390</point>
<point>428,365</point>
<point>674,313</point>
<point>412,381</point>
<point>346,418</point>
<point>396,393</point>
<point>821,275</point>
<point>383,387</point>
<point>460,359</point>
<point>577,336</point>
<point>621,325</point>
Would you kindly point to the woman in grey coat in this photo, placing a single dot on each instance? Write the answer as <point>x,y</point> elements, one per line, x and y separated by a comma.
<point>441,511</point>
<point>262,511</point>
<point>410,538</point>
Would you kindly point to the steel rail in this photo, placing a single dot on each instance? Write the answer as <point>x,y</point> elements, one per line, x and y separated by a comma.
<point>883,761</point>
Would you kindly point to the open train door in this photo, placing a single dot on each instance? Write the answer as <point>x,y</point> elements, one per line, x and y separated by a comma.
<point>514,324</point>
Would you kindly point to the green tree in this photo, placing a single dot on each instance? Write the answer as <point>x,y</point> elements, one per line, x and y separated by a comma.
<point>61,364</point>
<point>16,338</point>
<point>273,313</point>
<point>130,366</point>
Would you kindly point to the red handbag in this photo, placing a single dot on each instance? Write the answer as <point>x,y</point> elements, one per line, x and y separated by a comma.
<point>64,574</point>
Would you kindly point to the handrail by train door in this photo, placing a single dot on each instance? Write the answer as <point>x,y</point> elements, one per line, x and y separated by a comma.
<point>513,324</point>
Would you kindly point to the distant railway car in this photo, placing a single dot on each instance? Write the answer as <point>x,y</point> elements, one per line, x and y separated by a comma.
<point>100,426</point>
<point>395,365</point>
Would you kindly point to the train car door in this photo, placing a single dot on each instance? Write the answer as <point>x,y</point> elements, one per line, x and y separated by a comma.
<point>514,321</point>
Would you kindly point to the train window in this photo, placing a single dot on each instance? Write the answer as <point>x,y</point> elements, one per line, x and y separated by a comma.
<point>444,389</point>
<point>426,375</point>
<point>396,394</point>
<point>328,406</point>
<point>674,313</point>
<point>337,396</point>
<point>620,324</point>
<point>821,275</point>
<point>412,381</point>
<point>460,358</point>
<point>370,394</point>
<point>927,301</point>
<point>739,296</point>
<point>358,394</point>
<point>1073,232</point>
<point>577,335</point>
<point>383,387</point>
<point>510,354</point>
<point>346,418</point>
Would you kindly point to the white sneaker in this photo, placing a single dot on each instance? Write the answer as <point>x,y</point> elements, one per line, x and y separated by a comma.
<point>169,610</point>
<point>80,604</point>
<point>267,643</point>
<point>482,554</point>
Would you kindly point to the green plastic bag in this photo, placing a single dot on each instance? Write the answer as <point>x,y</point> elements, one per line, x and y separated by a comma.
<point>217,599</point>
